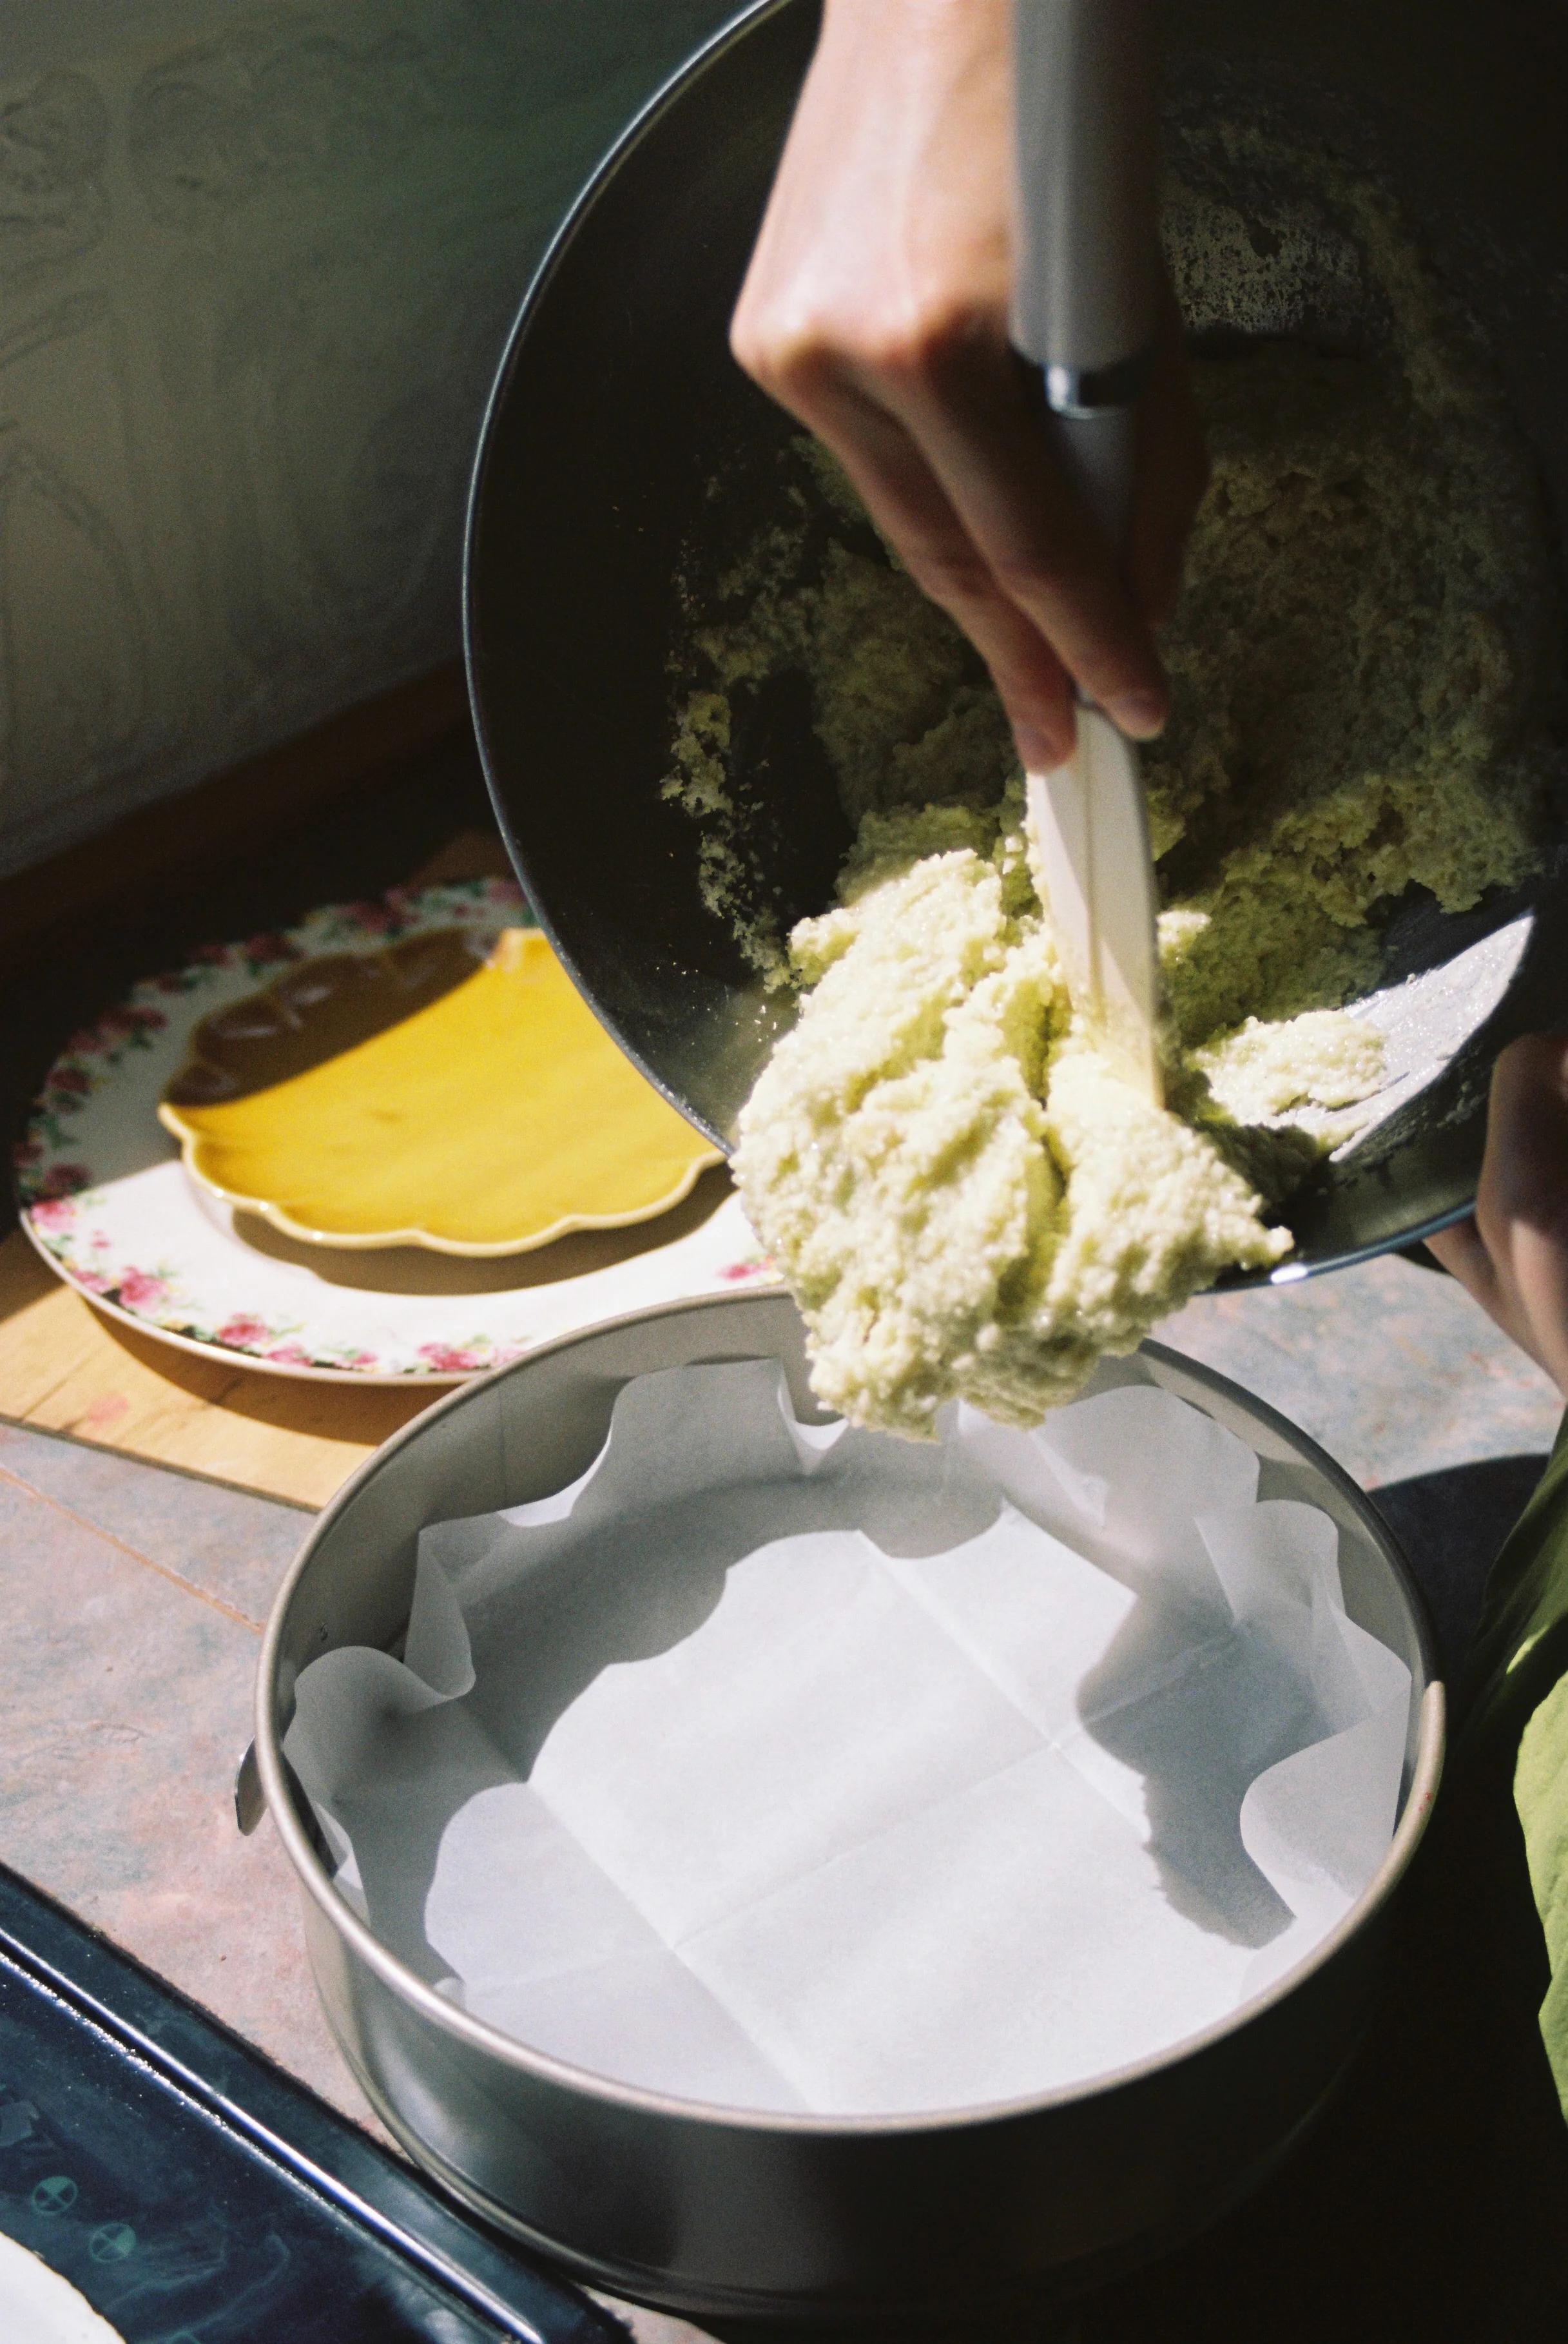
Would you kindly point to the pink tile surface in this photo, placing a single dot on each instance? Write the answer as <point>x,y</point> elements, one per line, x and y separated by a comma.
<point>226,1543</point>
<point>125,1705</point>
<point>1391,1367</point>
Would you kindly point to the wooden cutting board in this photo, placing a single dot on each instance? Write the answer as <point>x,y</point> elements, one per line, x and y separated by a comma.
<point>65,1368</point>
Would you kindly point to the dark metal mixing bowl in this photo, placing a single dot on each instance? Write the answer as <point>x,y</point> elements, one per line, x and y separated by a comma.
<point>617,401</point>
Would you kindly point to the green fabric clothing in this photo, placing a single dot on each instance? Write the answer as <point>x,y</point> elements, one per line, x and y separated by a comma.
<point>1541,1795</point>
<point>1519,1677</point>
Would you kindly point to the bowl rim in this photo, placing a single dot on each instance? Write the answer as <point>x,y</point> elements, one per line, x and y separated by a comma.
<point>1347,1251</point>
<point>616,158</point>
<point>477,2034</point>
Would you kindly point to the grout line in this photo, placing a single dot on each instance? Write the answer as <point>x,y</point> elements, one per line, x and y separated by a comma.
<point>154,1464</point>
<point>175,1577</point>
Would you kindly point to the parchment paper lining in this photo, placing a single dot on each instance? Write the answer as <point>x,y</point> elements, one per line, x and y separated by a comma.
<point>796,1767</point>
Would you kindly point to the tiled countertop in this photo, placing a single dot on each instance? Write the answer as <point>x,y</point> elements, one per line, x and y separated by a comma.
<point>1414,1391</point>
<point>135,1597</point>
<point>134,1603</point>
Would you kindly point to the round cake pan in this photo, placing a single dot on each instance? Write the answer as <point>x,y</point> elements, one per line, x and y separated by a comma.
<point>715,2211</point>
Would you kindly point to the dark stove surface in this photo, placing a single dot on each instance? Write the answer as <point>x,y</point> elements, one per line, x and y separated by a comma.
<point>196,2196</point>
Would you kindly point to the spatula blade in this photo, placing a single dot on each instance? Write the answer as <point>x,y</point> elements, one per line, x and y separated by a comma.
<point>1090,837</point>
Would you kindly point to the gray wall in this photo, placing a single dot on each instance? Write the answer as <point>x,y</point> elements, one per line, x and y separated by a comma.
<point>256,264</point>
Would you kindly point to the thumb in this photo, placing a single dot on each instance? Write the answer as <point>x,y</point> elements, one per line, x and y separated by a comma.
<point>1522,1206</point>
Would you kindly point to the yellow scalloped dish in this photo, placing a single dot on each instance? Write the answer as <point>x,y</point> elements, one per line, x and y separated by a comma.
<point>423,1095</point>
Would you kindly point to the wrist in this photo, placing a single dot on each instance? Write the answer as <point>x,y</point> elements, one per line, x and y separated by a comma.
<point>960,25</point>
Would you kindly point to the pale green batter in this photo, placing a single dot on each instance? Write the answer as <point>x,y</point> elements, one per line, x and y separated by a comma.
<point>964,1198</point>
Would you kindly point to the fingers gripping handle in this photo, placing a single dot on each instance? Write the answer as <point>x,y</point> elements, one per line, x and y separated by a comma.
<point>1085,250</point>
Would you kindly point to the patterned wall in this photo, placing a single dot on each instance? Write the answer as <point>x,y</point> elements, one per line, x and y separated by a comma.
<point>256,265</point>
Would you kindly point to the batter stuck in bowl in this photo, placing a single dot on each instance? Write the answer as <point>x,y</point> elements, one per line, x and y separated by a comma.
<point>964,1198</point>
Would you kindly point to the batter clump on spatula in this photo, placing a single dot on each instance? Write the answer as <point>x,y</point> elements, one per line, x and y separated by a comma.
<point>964,1198</point>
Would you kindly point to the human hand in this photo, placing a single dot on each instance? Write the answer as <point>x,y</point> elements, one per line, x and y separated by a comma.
<point>875,309</point>
<point>1513,1257</point>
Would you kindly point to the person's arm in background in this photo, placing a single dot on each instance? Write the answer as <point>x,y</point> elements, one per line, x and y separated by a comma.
<point>875,309</point>
<point>1513,1257</point>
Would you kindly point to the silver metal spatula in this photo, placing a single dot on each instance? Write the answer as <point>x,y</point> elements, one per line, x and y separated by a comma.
<point>1085,307</point>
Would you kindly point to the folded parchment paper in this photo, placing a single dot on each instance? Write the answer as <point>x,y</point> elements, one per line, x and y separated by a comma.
<point>793,1766</point>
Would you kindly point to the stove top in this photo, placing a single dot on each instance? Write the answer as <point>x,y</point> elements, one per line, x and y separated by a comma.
<point>196,2195</point>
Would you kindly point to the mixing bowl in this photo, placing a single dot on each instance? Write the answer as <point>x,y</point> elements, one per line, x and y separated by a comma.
<point>617,402</point>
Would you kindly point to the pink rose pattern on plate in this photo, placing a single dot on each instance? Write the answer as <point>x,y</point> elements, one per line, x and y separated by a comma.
<point>64,1225</point>
<point>55,1185</point>
<point>93,1052</point>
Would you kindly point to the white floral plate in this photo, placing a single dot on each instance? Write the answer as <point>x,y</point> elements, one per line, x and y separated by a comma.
<point>108,1204</point>
<point>42,2307</point>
